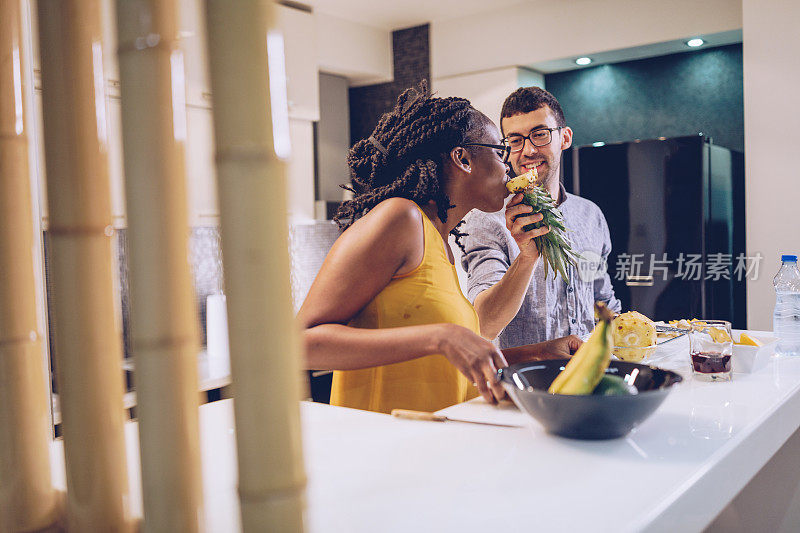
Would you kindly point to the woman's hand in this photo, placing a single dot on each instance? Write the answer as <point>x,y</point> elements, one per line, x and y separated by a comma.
<point>517,217</point>
<point>475,357</point>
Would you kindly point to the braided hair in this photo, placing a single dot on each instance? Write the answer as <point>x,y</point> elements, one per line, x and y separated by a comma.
<point>404,155</point>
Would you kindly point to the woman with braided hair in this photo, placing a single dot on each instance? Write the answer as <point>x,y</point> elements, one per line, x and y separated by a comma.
<point>386,311</point>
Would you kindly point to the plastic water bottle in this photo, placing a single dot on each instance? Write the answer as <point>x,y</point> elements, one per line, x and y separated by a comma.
<point>786,318</point>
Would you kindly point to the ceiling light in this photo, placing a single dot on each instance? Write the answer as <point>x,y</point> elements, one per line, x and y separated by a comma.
<point>598,144</point>
<point>583,61</point>
<point>694,43</point>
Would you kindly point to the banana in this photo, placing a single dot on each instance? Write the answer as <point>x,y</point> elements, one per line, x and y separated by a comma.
<point>587,367</point>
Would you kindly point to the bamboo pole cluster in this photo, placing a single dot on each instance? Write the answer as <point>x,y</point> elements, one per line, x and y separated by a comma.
<point>249,89</point>
<point>163,312</point>
<point>86,341</point>
<point>251,131</point>
<point>27,499</point>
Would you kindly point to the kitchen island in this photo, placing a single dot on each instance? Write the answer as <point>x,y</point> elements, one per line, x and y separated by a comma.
<point>684,465</point>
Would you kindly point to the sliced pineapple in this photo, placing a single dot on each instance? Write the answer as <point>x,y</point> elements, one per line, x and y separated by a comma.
<point>686,323</point>
<point>633,330</point>
<point>522,182</point>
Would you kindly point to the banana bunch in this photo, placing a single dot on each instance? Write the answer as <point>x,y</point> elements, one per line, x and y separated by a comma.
<point>587,367</point>
<point>554,247</point>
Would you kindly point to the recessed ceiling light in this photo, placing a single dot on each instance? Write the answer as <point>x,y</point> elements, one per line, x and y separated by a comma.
<point>583,61</point>
<point>694,43</point>
<point>598,144</point>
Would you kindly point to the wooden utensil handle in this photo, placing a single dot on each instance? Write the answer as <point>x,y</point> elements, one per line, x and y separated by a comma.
<point>418,415</point>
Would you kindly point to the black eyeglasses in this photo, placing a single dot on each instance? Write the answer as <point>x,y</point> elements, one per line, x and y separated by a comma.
<point>538,137</point>
<point>502,150</point>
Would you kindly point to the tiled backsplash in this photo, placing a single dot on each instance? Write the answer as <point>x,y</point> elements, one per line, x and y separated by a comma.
<point>205,257</point>
<point>308,246</point>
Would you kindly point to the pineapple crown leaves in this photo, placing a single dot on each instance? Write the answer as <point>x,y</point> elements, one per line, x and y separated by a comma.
<point>554,247</point>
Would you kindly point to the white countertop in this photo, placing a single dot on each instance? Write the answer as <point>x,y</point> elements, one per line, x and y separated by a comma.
<point>370,472</point>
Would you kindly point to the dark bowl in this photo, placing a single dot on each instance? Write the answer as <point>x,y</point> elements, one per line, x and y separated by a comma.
<point>586,417</point>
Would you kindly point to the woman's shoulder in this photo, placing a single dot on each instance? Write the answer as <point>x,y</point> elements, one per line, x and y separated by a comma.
<point>395,214</point>
<point>393,229</point>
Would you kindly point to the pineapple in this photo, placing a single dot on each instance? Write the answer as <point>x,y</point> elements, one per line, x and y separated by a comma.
<point>554,247</point>
<point>633,329</point>
<point>634,337</point>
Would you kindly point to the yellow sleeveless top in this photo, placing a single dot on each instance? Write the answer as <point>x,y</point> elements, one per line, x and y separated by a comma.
<point>430,294</point>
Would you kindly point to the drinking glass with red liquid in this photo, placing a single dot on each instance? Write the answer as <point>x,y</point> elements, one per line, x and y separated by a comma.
<point>711,350</point>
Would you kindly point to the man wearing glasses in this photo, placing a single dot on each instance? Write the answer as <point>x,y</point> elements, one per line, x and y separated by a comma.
<point>505,280</point>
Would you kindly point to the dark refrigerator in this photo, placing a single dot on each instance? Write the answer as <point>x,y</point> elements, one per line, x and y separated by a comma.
<point>675,211</point>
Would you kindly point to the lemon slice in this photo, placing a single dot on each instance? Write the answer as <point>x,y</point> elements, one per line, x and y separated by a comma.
<point>749,341</point>
<point>719,335</point>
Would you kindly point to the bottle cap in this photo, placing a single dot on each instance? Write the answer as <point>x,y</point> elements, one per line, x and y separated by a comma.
<point>790,258</point>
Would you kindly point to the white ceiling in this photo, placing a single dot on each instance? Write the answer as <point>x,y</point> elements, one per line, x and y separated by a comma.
<point>397,14</point>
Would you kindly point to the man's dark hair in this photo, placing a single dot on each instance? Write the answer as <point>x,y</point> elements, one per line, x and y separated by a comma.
<point>527,99</point>
<point>404,155</point>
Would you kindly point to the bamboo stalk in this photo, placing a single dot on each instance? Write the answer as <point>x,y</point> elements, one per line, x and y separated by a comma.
<point>87,343</point>
<point>27,499</point>
<point>163,310</point>
<point>264,338</point>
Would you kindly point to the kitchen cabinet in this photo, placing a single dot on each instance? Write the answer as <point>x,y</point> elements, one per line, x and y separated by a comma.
<point>108,11</point>
<point>194,44</point>
<point>36,142</point>
<point>201,171</point>
<point>116,170</point>
<point>300,48</point>
<point>303,103</point>
<point>300,171</point>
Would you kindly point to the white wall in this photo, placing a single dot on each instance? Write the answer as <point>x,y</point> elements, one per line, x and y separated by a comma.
<point>361,53</point>
<point>488,89</point>
<point>772,137</point>
<point>498,38</point>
